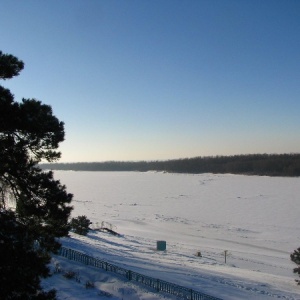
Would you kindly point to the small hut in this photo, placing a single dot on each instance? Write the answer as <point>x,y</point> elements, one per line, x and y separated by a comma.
<point>161,245</point>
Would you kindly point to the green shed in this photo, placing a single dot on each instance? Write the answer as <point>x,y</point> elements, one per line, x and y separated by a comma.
<point>161,245</point>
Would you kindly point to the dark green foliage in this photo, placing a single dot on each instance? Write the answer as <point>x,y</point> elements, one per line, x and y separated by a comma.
<point>10,66</point>
<point>29,133</point>
<point>252,164</point>
<point>45,200</point>
<point>80,225</point>
<point>295,257</point>
<point>21,261</point>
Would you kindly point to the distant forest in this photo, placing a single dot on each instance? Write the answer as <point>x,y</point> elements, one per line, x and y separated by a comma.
<point>254,164</point>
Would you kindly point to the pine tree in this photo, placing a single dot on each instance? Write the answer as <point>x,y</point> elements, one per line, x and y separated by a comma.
<point>295,257</point>
<point>80,225</point>
<point>29,133</point>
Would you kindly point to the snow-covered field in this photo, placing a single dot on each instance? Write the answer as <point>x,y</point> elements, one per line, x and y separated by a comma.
<point>256,219</point>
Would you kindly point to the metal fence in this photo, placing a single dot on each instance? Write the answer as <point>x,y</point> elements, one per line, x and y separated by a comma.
<point>157,284</point>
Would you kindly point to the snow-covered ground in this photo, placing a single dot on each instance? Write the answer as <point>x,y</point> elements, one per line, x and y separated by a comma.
<point>256,219</point>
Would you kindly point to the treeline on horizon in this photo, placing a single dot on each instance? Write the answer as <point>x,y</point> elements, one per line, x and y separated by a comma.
<point>251,164</point>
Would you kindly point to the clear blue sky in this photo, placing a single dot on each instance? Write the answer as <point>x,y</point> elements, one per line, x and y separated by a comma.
<point>148,80</point>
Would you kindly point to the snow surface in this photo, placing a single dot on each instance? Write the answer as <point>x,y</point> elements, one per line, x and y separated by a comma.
<point>255,218</point>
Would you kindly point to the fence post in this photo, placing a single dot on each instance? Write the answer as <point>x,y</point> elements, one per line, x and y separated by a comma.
<point>129,274</point>
<point>157,285</point>
<point>191,294</point>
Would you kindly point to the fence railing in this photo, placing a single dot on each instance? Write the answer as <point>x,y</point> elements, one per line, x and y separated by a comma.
<point>157,284</point>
